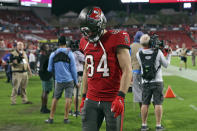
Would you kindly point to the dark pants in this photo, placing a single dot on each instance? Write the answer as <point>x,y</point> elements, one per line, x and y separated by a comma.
<point>93,114</point>
<point>8,72</point>
<point>32,66</point>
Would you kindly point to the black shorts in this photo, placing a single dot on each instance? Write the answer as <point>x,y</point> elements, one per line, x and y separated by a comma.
<point>93,114</point>
<point>184,59</point>
<point>154,89</point>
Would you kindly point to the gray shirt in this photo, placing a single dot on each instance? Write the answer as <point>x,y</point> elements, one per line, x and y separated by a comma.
<point>160,59</point>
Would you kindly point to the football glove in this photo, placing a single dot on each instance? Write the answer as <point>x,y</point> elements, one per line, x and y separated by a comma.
<point>82,101</point>
<point>118,104</point>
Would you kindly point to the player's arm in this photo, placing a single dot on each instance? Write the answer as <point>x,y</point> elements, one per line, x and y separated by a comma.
<point>124,60</point>
<point>84,80</point>
<point>125,65</point>
<point>28,66</point>
<point>84,87</point>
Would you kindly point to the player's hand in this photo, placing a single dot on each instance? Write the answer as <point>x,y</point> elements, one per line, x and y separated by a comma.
<point>118,105</point>
<point>30,74</point>
<point>82,102</point>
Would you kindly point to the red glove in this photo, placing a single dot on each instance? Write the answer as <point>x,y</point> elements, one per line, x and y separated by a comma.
<point>118,104</point>
<point>82,101</point>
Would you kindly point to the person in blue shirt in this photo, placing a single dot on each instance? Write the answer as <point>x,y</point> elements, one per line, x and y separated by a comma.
<point>62,64</point>
<point>6,60</point>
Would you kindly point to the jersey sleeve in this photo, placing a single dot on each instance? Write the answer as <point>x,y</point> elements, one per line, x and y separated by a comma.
<point>122,40</point>
<point>82,45</point>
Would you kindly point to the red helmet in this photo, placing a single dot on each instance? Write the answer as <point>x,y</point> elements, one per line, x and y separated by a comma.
<point>92,23</point>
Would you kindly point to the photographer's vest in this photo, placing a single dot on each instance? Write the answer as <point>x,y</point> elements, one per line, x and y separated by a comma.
<point>134,62</point>
<point>183,52</point>
<point>20,67</point>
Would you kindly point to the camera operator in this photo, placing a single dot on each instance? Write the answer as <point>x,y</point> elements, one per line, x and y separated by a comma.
<point>151,59</point>
<point>20,66</point>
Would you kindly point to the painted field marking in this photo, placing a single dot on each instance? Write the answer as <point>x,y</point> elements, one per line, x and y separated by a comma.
<point>194,107</point>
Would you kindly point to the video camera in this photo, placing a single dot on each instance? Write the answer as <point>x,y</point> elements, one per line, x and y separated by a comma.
<point>157,44</point>
<point>19,58</point>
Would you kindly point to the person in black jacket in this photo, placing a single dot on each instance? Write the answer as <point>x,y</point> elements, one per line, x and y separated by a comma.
<point>45,76</point>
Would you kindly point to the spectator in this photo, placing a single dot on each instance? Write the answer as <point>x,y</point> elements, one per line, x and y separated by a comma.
<point>45,76</point>
<point>32,61</point>
<point>136,88</point>
<point>20,66</point>
<point>6,61</point>
<point>79,59</point>
<point>62,64</point>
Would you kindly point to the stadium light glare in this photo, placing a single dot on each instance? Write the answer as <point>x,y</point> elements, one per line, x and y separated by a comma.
<point>126,1</point>
<point>187,5</point>
<point>134,1</point>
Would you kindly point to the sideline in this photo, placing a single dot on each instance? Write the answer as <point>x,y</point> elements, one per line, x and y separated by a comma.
<point>193,107</point>
<point>173,70</point>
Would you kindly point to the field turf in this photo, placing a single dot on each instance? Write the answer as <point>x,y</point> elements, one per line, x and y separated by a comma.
<point>178,114</point>
<point>176,62</point>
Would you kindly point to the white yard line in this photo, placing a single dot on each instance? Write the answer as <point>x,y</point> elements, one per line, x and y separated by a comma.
<point>188,74</point>
<point>193,107</point>
<point>180,98</point>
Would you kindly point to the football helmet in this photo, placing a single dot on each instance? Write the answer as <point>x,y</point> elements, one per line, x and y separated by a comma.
<point>92,23</point>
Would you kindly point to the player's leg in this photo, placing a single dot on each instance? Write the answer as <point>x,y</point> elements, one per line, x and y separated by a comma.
<point>76,96</point>
<point>16,83</point>
<point>46,88</point>
<point>57,94</point>
<point>23,86</point>
<point>137,89</point>
<point>112,123</point>
<point>146,98</point>
<point>158,100</point>
<point>92,117</point>
<point>185,62</point>
<point>69,86</point>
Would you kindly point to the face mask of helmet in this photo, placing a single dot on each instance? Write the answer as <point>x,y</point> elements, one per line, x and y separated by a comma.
<point>92,23</point>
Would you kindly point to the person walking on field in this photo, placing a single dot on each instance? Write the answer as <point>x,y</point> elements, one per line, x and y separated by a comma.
<point>62,64</point>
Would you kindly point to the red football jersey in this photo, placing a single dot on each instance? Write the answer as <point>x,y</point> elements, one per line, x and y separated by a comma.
<point>104,72</point>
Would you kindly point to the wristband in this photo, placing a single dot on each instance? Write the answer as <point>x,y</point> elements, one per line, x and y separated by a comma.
<point>120,93</point>
<point>84,95</point>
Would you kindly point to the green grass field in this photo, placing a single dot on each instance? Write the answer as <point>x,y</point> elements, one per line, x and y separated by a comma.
<point>176,62</point>
<point>178,115</point>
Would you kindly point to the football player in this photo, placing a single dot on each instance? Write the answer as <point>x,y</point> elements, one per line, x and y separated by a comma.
<point>106,76</point>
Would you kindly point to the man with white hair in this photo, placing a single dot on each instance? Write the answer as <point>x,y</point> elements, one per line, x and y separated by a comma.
<point>20,66</point>
<point>151,59</point>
